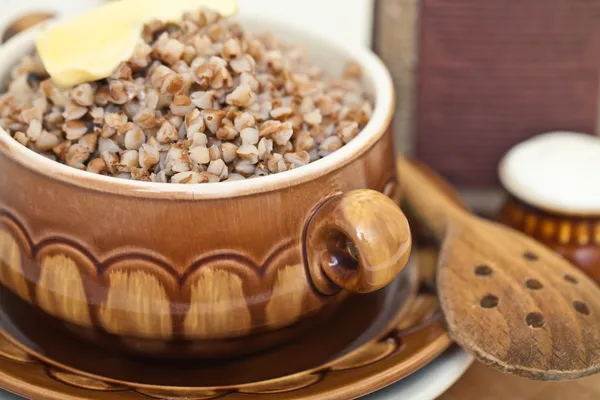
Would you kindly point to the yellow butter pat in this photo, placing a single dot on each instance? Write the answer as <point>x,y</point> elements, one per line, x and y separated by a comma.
<point>91,46</point>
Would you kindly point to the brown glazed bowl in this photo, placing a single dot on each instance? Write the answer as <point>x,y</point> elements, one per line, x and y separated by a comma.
<point>210,270</point>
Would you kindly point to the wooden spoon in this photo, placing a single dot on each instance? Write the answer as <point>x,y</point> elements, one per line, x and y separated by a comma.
<point>513,303</point>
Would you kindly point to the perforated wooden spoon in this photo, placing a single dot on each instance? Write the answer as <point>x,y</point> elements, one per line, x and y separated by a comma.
<point>513,303</point>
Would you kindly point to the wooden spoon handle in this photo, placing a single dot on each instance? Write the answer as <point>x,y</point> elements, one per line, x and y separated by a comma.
<point>429,197</point>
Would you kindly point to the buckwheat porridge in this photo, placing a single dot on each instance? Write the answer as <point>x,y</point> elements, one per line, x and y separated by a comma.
<point>199,101</point>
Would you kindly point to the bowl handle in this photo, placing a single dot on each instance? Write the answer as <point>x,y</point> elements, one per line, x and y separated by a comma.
<point>358,242</point>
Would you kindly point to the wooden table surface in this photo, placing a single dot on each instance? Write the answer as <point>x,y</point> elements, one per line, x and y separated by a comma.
<point>483,383</point>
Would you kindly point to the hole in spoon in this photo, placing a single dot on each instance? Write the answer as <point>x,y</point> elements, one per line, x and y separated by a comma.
<point>489,301</point>
<point>570,279</point>
<point>534,284</point>
<point>535,320</point>
<point>483,270</point>
<point>530,256</point>
<point>581,308</point>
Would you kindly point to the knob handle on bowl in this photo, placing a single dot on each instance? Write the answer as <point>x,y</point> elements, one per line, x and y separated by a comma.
<point>357,241</point>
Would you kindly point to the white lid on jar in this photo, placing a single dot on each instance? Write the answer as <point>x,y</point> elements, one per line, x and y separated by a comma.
<point>557,171</point>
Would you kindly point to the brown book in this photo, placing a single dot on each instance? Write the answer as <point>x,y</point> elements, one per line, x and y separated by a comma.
<point>492,73</point>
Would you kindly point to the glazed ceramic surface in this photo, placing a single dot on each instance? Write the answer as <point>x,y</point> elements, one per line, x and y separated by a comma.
<point>428,383</point>
<point>576,237</point>
<point>184,270</point>
<point>554,195</point>
<point>373,341</point>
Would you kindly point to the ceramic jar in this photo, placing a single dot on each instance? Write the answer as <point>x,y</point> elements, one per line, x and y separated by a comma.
<point>554,195</point>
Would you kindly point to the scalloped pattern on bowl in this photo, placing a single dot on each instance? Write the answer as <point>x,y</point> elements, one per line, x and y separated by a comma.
<point>136,295</point>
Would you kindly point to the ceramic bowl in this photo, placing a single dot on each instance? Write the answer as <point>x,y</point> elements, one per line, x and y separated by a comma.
<point>208,270</point>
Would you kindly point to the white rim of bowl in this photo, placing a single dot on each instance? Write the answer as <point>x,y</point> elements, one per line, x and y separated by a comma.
<point>373,69</point>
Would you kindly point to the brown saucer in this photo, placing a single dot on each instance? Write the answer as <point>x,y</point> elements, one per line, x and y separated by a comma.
<point>373,341</point>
